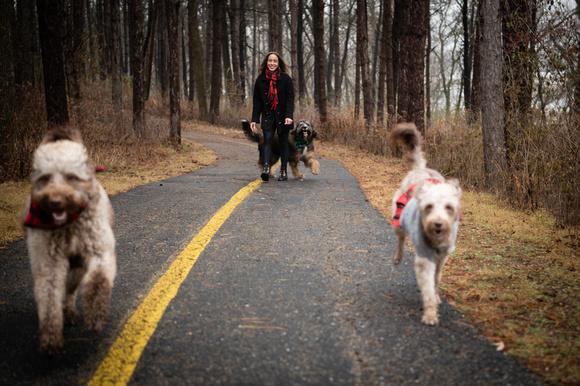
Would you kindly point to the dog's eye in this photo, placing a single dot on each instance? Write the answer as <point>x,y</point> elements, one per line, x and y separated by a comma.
<point>429,207</point>
<point>72,178</point>
<point>43,179</point>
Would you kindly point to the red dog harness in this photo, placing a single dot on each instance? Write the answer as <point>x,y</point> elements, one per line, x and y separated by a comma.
<point>403,200</point>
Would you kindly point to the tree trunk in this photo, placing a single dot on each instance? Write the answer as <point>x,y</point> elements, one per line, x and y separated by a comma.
<point>7,87</point>
<point>149,45</point>
<point>172,11</point>
<point>428,65</point>
<point>492,109</point>
<point>363,41</point>
<point>26,48</point>
<point>396,37</point>
<point>78,33</point>
<point>318,20</point>
<point>216,69</point>
<point>242,50</point>
<point>227,66</point>
<point>116,66</point>
<point>136,29</point>
<point>413,64</point>
<point>196,59</point>
<point>51,25</point>
<point>294,43</point>
<point>384,44</point>
<point>336,43</point>
<point>300,52</point>
<point>466,55</point>
<point>476,81</point>
<point>518,69</point>
<point>234,32</point>
<point>163,60</point>
<point>390,72</point>
<point>274,37</point>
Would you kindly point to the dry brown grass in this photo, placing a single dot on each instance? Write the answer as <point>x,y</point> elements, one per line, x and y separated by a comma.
<point>514,275</point>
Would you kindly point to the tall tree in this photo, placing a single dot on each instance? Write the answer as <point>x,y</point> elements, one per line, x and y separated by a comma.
<point>25,44</point>
<point>135,16</point>
<point>216,70</point>
<point>172,8</point>
<point>517,36</point>
<point>235,44</point>
<point>294,43</point>
<point>242,50</point>
<point>466,54</point>
<point>318,21</point>
<point>492,107</point>
<point>363,51</point>
<point>148,45</point>
<point>386,61</point>
<point>196,59</point>
<point>7,88</point>
<point>116,65</point>
<point>51,25</point>
<point>273,22</point>
<point>336,43</point>
<point>412,61</point>
<point>476,81</point>
<point>300,52</point>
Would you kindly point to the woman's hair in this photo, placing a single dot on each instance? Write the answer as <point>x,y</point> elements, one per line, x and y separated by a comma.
<point>281,63</point>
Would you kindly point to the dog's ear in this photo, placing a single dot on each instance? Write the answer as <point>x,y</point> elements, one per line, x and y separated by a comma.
<point>455,183</point>
<point>313,134</point>
<point>62,133</point>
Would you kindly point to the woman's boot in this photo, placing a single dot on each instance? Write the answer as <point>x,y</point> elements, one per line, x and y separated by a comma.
<point>266,173</point>
<point>283,174</point>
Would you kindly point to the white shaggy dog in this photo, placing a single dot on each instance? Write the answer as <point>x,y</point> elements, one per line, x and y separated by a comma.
<point>426,208</point>
<point>68,220</point>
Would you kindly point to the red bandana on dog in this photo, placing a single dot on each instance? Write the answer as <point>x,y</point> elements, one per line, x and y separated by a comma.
<point>403,200</point>
<point>273,91</point>
<point>36,218</point>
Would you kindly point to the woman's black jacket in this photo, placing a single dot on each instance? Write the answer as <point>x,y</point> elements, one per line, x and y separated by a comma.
<point>284,109</point>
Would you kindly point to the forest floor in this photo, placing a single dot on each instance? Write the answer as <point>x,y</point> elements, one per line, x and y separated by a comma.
<point>513,275</point>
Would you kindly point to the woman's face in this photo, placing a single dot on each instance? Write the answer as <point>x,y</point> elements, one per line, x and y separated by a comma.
<point>273,62</point>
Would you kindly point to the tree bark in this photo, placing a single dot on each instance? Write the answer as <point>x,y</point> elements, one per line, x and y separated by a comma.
<point>7,87</point>
<point>51,25</point>
<point>300,52</point>
<point>116,65</point>
<point>196,59</point>
<point>274,37</point>
<point>466,55</point>
<point>294,43</point>
<point>336,43</point>
<point>385,46</point>
<point>172,11</point>
<point>476,81</point>
<point>148,46</point>
<point>492,109</point>
<point>363,41</point>
<point>318,19</point>
<point>136,29</point>
<point>242,50</point>
<point>235,40</point>
<point>216,72</point>
<point>163,59</point>
<point>413,64</point>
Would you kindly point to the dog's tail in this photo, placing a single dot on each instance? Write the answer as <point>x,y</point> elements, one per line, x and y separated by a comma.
<point>409,138</point>
<point>252,136</point>
<point>63,132</point>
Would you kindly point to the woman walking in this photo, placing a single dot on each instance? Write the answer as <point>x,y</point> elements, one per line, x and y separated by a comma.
<point>274,101</point>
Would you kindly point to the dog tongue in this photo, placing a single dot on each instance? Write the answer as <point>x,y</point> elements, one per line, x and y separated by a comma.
<point>59,216</point>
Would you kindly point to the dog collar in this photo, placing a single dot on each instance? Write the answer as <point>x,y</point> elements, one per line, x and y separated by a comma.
<point>36,218</point>
<point>404,199</point>
<point>300,143</point>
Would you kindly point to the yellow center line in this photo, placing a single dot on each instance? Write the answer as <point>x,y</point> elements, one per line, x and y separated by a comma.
<point>121,360</point>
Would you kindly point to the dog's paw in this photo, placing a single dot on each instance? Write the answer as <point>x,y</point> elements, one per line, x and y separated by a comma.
<point>315,169</point>
<point>430,317</point>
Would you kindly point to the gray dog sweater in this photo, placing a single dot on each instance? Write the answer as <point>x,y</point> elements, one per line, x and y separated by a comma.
<point>411,224</point>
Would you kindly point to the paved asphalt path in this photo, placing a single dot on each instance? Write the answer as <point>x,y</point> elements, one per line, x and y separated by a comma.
<point>296,287</point>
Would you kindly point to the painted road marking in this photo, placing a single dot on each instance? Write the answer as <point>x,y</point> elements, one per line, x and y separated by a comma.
<point>121,360</point>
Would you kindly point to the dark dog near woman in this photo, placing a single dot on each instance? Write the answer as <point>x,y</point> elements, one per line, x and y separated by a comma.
<point>300,141</point>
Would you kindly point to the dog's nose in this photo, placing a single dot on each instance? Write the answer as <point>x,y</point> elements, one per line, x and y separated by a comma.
<point>55,202</point>
<point>438,224</point>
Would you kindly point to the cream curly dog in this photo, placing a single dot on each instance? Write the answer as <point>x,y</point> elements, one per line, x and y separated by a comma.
<point>426,208</point>
<point>68,220</point>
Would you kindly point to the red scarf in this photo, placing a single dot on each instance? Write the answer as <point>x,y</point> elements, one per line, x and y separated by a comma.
<point>36,218</point>
<point>273,91</point>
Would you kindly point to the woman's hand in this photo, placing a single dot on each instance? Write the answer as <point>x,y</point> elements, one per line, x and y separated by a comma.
<point>253,126</point>
<point>288,121</point>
